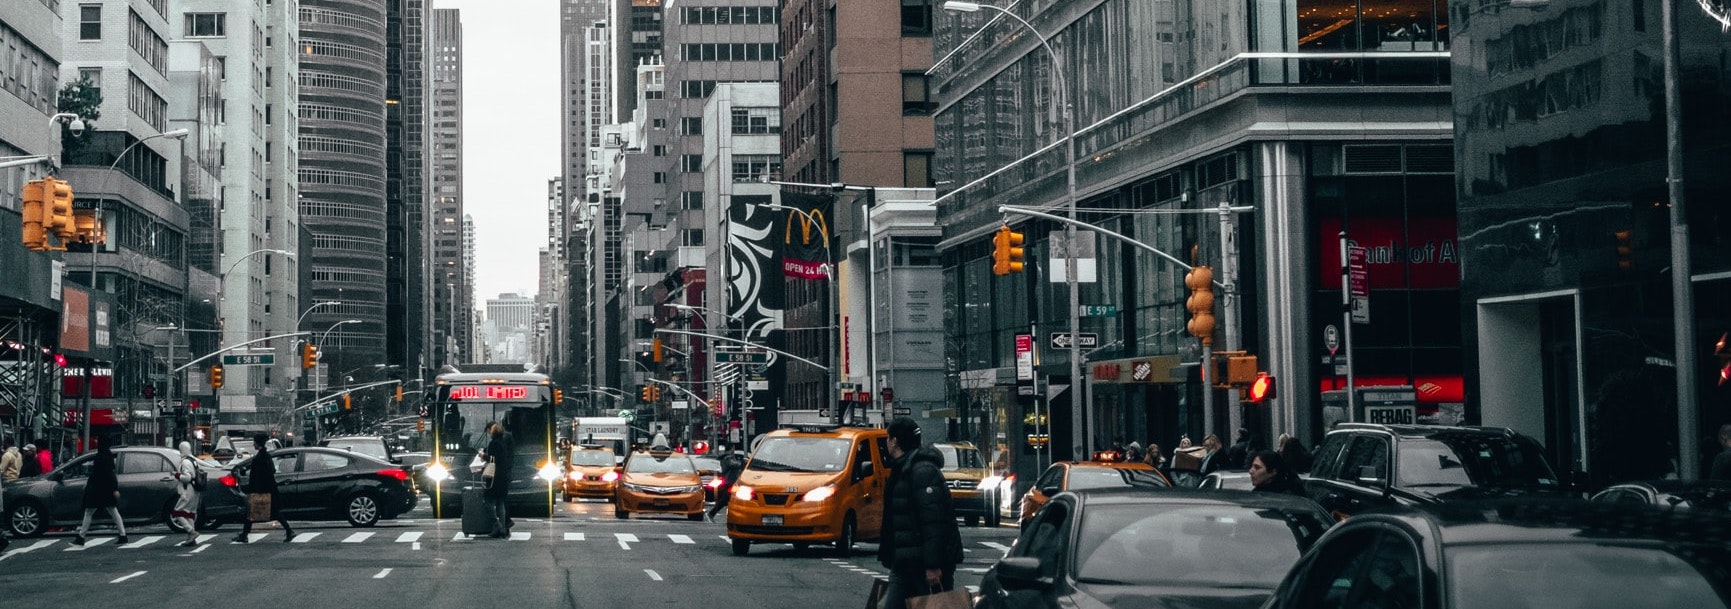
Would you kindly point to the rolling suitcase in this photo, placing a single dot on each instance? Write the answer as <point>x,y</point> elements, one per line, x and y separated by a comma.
<point>477,514</point>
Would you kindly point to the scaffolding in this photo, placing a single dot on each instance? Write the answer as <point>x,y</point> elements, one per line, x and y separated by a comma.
<point>30,405</point>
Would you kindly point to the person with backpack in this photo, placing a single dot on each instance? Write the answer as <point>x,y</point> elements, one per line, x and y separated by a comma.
<point>732,466</point>
<point>185,510</point>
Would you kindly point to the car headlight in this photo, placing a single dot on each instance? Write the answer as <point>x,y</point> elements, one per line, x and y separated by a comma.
<point>632,487</point>
<point>687,489</point>
<point>437,473</point>
<point>548,472</point>
<point>989,482</point>
<point>820,493</point>
<point>575,476</point>
<point>742,492</point>
<point>609,476</point>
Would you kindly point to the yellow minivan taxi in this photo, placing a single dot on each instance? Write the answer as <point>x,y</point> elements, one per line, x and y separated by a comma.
<point>659,481</point>
<point>590,473</point>
<point>811,484</point>
<point>965,473</point>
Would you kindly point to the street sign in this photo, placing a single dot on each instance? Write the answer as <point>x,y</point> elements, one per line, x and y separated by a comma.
<point>900,411</point>
<point>1331,339</point>
<point>741,357</point>
<point>1061,340</point>
<point>263,359</point>
<point>1024,357</point>
<point>1099,310</point>
<point>319,411</point>
<point>1358,284</point>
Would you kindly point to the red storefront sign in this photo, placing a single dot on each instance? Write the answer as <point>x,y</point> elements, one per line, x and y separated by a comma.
<point>101,385</point>
<point>1432,389</point>
<point>1107,372</point>
<point>1421,253</point>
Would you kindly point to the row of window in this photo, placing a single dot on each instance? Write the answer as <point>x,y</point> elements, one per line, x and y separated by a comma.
<point>732,15</point>
<point>26,72</point>
<point>144,102</point>
<point>323,48</point>
<point>349,243</point>
<point>323,16</point>
<point>313,143</point>
<point>348,275</point>
<point>322,112</point>
<point>206,25</point>
<point>349,179</point>
<point>149,46</point>
<point>756,120</point>
<point>755,167</point>
<point>737,51</point>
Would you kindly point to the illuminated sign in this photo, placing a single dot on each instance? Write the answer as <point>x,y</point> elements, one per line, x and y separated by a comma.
<point>494,393</point>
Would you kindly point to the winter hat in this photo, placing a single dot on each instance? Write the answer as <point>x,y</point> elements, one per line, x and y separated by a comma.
<point>906,432</point>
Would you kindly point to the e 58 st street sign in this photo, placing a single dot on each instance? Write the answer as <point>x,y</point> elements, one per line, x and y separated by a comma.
<point>741,357</point>
<point>263,359</point>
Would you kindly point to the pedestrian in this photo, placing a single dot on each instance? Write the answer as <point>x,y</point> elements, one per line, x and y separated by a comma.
<point>1212,458</point>
<point>44,458</point>
<point>1238,454</point>
<point>185,510</point>
<point>10,461</point>
<point>499,454</point>
<point>101,491</point>
<point>29,465</point>
<point>921,544</point>
<point>732,465</point>
<point>1269,474</point>
<point>1133,452</point>
<point>1152,456</point>
<point>1187,464</point>
<point>1722,462</point>
<point>1295,454</point>
<point>260,486</point>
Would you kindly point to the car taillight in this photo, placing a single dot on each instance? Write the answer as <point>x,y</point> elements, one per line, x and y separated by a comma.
<point>715,483</point>
<point>395,474</point>
<point>229,481</point>
<point>609,476</point>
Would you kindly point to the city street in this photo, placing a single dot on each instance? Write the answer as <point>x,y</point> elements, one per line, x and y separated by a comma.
<point>582,557</point>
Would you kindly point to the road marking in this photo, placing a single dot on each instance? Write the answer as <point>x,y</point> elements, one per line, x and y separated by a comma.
<point>625,538</point>
<point>995,546</point>
<point>520,536</point>
<point>975,569</point>
<point>357,538</point>
<point>127,577</point>
<point>145,541</point>
<point>415,546</point>
<point>573,537</point>
<point>382,573</point>
<point>201,547</point>
<point>204,539</point>
<point>409,537</point>
<point>680,539</point>
<point>652,574</point>
<point>304,537</point>
<point>725,538</point>
<point>89,543</point>
<point>461,536</point>
<point>37,546</point>
<point>255,537</point>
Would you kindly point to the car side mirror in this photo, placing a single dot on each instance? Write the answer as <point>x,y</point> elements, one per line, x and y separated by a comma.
<point>864,471</point>
<point>1371,475</point>
<point>1021,572</point>
<point>1050,491</point>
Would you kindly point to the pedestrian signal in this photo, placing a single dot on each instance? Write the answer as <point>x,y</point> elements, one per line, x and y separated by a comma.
<point>1260,389</point>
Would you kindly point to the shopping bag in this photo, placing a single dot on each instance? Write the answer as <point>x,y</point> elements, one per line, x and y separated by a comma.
<point>476,465</point>
<point>956,598</point>
<point>880,586</point>
<point>258,507</point>
<point>488,471</point>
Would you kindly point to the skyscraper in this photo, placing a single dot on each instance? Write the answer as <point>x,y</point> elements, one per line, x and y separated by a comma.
<point>450,270</point>
<point>405,182</point>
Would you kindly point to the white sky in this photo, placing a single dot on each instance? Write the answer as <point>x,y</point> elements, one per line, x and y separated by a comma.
<point>510,135</point>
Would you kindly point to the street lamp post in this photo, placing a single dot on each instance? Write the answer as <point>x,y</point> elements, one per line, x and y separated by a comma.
<point>1061,89</point>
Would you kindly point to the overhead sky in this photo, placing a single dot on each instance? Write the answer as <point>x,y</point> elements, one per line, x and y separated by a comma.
<point>510,136</point>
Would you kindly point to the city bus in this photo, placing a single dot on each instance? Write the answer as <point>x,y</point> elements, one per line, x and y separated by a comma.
<point>462,406</point>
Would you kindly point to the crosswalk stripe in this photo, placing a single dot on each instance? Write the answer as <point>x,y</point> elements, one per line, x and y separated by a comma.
<point>520,536</point>
<point>995,546</point>
<point>142,541</point>
<point>89,543</point>
<point>409,537</point>
<point>680,539</point>
<point>255,537</point>
<point>205,538</point>
<point>573,537</point>
<point>461,536</point>
<point>357,537</point>
<point>304,537</point>
<point>31,548</point>
<point>626,537</point>
<point>127,577</point>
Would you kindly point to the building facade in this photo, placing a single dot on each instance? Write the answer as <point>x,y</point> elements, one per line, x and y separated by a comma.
<point>451,280</point>
<point>407,105</point>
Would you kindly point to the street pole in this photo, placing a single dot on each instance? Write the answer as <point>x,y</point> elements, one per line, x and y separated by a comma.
<point>1346,324</point>
<point>1682,270</point>
<point>1229,306</point>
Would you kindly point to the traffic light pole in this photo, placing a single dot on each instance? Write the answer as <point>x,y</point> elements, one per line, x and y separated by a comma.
<point>1229,304</point>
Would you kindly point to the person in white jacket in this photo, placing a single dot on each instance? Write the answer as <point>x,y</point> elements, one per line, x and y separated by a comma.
<point>185,511</point>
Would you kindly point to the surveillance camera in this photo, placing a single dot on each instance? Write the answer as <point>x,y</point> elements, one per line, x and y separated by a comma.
<point>77,127</point>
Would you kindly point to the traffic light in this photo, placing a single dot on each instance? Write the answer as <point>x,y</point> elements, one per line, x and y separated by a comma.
<point>1007,251</point>
<point>309,356</point>
<point>655,350</point>
<point>643,393</point>
<point>1625,249</point>
<point>35,204</point>
<point>87,229</point>
<point>348,404</point>
<point>654,393</point>
<point>399,396</point>
<point>558,397</point>
<point>58,215</point>
<point>1723,352</point>
<point>1262,388</point>
<point>1200,280</point>
<point>216,377</point>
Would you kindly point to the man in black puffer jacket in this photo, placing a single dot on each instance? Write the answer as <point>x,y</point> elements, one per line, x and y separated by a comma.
<point>921,544</point>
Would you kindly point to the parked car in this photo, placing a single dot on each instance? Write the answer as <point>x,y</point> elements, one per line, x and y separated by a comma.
<point>320,483</point>
<point>1360,466</point>
<point>147,491</point>
<point>1516,554</point>
<point>1711,495</point>
<point>1124,548</point>
<point>1079,475</point>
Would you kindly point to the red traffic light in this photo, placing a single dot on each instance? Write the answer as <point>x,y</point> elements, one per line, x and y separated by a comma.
<point>1260,389</point>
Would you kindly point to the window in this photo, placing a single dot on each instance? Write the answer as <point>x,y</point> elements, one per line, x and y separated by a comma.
<point>142,463</point>
<point>756,120</point>
<point>90,22</point>
<point>691,237</point>
<point>691,125</point>
<point>916,96</point>
<point>206,25</point>
<point>1366,451</point>
<point>314,462</point>
<point>751,167</point>
<point>691,199</point>
<point>91,75</point>
<point>917,169</point>
<point>659,150</point>
<point>691,163</point>
<point>916,17</point>
<point>1368,568</point>
<point>660,177</point>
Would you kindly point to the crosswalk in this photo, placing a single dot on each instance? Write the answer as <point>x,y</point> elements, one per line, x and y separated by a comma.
<point>415,538</point>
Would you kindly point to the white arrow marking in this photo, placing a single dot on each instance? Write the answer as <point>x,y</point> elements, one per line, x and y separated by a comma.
<point>625,538</point>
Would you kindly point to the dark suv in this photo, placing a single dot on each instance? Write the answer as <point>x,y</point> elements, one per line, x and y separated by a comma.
<point>1361,466</point>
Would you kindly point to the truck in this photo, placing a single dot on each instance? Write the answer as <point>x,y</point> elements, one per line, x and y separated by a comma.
<point>610,432</point>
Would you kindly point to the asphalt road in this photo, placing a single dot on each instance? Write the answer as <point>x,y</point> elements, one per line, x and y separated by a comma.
<point>582,557</point>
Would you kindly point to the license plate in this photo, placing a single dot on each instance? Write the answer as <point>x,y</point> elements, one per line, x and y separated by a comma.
<point>660,503</point>
<point>773,520</point>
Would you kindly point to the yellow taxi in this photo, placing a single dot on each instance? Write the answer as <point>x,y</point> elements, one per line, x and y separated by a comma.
<point>965,472</point>
<point>1104,472</point>
<point>591,472</point>
<point>659,481</point>
<point>811,484</point>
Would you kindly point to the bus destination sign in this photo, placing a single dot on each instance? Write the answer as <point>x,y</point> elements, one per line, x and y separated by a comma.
<point>492,393</point>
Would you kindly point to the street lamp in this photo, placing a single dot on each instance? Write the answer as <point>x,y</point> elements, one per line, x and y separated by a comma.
<point>830,379</point>
<point>1061,90</point>
<point>309,310</point>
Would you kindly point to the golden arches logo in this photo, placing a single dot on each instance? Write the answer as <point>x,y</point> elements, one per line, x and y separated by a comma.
<point>806,220</point>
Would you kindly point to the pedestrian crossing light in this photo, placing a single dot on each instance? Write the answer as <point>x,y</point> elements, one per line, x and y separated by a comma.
<point>1260,389</point>
<point>1007,251</point>
<point>216,377</point>
<point>558,397</point>
<point>1200,280</point>
<point>644,393</point>
<point>309,356</point>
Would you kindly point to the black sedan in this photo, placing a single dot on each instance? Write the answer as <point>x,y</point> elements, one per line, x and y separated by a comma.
<point>1134,548</point>
<point>1711,495</point>
<point>147,491</point>
<point>315,483</point>
<point>1517,554</point>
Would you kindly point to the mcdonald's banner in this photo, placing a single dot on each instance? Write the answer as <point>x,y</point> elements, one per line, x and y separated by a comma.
<point>806,235</point>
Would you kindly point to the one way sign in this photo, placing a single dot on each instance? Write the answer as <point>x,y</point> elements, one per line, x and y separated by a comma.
<point>1061,340</point>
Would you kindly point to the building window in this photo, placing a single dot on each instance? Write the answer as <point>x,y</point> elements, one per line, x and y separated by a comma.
<point>660,177</point>
<point>917,169</point>
<point>916,17</point>
<point>691,163</point>
<point>91,75</point>
<point>916,96</point>
<point>756,120</point>
<point>691,125</point>
<point>692,237</point>
<point>206,25</point>
<point>660,150</point>
<point>691,199</point>
<point>752,167</point>
<point>90,22</point>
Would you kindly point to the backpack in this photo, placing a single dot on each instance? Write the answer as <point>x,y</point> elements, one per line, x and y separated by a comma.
<point>200,478</point>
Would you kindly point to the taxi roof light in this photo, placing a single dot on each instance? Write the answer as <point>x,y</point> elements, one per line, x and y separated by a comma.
<point>814,428</point>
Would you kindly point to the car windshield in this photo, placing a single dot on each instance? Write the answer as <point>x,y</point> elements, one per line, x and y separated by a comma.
<point>365,446</point>
<point>1111,477</point>
<point>800,454</point>
<point>1582,576</point>
<point>651,464</point>
<point>592,458</point>
<point>707,464</point>
<point>1217,546</point>
<point>1473,460</point>
<point>957,457</point>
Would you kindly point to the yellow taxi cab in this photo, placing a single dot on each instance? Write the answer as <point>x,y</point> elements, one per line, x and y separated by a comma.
<point>659,481</point>
<point>591,472</point>
<point>965,473</point>
<point>1104,471</point>
<point>811,484</point>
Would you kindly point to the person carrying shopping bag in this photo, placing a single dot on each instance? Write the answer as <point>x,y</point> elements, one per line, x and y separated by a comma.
<point>260,490</point>
<point>921,542</point>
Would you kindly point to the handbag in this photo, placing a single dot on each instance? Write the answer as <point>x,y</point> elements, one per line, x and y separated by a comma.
<point>489,471</point>
<point>258,507</point>
<point>476,464</point>
<point>954,598</point>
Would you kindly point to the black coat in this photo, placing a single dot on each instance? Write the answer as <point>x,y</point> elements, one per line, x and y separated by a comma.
<point>1290,485</point>
<point>104,481</point>
<point>500,450</point>
<point>1721,466</point>
<point>263,475</point>
<point>919,529</point>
